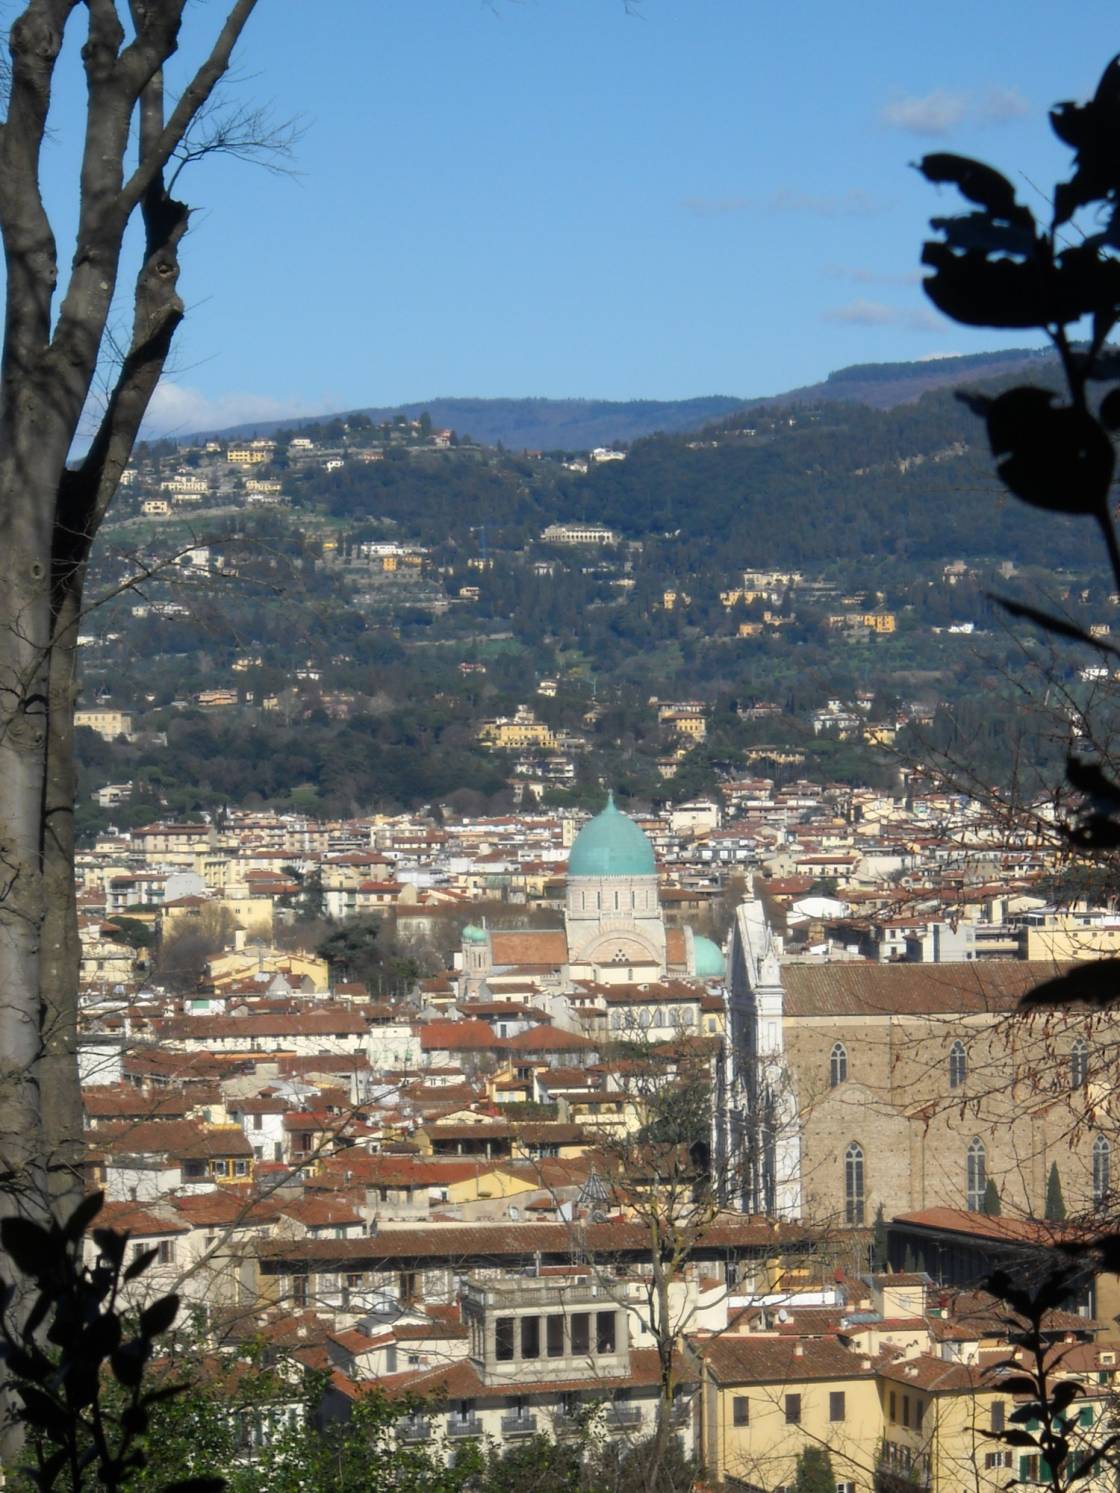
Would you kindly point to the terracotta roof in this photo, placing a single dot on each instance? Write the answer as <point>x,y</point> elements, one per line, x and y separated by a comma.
<point>749,1359</point>
<point>541,946</point>
<point>137,1220</point>
<point>911,989</point>
<point>546,1038</point>
<point>180,1139</point>
<point>461,1381</point>
<point>117,1101</point>
<point>320,1212</point>
<point>223,1208</point>
<point>458,1036</point>
<point>321,1021</point>
<point>937,1376</point>
<point>401,1171</point>
<point>484,1240</point>
<point>1002,1230</point>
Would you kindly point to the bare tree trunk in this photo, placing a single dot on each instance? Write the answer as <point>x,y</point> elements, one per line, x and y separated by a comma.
<point>60,952</point>
<point>50,515</point>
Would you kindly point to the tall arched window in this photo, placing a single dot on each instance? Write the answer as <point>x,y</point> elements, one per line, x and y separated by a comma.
<point>1079,1064</point>
<point>958,1065</point>
<point>1102,1169</point>
<point>853,1184</point>
<point>837,1065</point>
<point>977,1165</point>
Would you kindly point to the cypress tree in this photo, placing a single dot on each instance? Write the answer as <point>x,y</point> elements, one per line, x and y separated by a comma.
<point>1055,1202</point>
<point>879,1241</point>
<point>990,1203</point>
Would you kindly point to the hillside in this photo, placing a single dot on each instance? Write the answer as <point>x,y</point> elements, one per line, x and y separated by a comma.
<point>582,424</point>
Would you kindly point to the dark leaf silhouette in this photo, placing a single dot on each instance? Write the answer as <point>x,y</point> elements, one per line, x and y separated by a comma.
<point>1092,984</point>
<point>28,1244</point>
<point>1056,458</point>
<point>159,1316</point>
<point>1110,410</point>
<point>83,1215</point>
<point>1093,132</point>
<point>979,183</point>
<point>140,1263</point>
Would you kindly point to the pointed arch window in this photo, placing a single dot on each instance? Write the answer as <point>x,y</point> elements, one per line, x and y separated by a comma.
<point>853,1185</point>
<point>958,1065</point>
<point>1102,1169</point>
<point>976,1163</point>
<point>1079,1065</point>
<point>837,1065</point>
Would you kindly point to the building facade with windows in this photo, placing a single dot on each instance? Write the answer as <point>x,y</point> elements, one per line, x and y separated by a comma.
<point>851,1086</point>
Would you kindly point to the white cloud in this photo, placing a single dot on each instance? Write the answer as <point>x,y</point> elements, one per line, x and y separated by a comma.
<point>177,409</point>
<point>939,112</point>
<point>935,114</point>
<point>999,104</point>
<point>863,313</point>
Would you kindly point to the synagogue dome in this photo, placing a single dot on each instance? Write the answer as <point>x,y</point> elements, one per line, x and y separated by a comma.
<point>473,934</point>
<point>708,957</point>
<point>611,844</point>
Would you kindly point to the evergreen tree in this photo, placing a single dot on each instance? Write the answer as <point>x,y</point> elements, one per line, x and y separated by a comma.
<point>990,1202</point>
<point>909,1263</point>
<point>1055,1202</point>
<point>879,1240</point>
<point>814,1471</point>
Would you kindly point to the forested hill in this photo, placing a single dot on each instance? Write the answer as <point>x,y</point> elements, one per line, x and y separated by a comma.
<point>802,486</point>
<point>582,424</point>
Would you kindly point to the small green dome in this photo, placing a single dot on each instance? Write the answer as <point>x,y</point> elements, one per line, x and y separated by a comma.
<point>611,844</point>
<point>709,958</point>
<point>474,934</point>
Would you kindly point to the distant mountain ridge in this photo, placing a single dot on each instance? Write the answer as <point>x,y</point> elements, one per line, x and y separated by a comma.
<point>541,424</point>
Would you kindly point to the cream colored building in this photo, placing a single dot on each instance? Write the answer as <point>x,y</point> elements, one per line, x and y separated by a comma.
<point>107,721</point>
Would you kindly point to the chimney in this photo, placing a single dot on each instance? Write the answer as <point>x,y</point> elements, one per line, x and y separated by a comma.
<point>799,1350</point>
<point>865,1365</point>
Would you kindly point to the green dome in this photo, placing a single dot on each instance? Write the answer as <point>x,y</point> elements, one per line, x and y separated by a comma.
<point>473,934</point>
<point>709,958</point>
<point>611,844</point>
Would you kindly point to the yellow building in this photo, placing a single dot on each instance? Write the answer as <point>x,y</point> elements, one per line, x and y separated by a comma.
<point>241,964</point>
<point>1057,938</point>
<point>247,456</point>
<point>765,1398</point>
<point>878,621</point>
<point>936,1419</point>
<point>523,730</point>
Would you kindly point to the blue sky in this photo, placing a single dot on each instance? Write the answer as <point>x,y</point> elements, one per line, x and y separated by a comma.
<point>564,197</point>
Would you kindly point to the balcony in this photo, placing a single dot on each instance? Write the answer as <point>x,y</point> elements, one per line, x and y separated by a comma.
<point>621,1417</point>
<point>411,1430</point>
<point>459,1429</point>
<point>518,1425</point>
